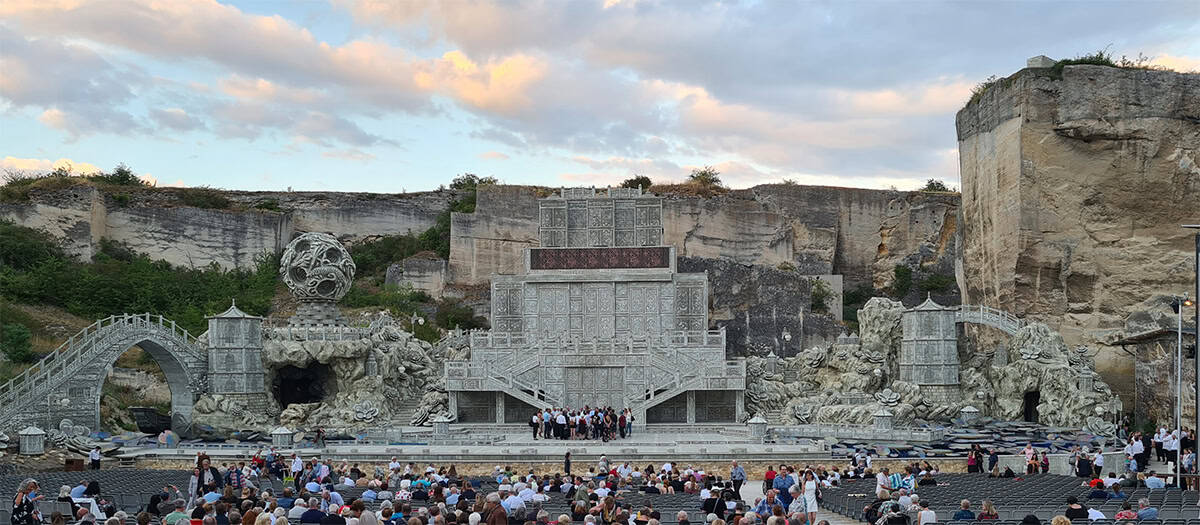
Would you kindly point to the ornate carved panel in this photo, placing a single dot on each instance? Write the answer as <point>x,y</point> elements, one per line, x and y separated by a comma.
<point>584,258</point>
<point>595,386</point>
<point>476,407</point>
<point>673,410</point>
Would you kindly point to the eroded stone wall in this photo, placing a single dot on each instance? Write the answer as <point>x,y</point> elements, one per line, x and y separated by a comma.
<point>1073,190</point>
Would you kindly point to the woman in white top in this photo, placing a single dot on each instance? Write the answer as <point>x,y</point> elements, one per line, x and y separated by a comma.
<point>810,495</point>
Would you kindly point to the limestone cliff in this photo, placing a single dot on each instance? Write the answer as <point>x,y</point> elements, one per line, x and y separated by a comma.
<point>1074,185</point>
<point>817,230</point>
<point>157,223</point>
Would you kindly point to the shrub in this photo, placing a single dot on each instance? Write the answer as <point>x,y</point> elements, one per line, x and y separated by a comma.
<point>24,248</point>
<point>935,185</point>
<point>821,294</point>
<point>706,176</point>
<point>121,199</point>
<point>204,197</point>
<point>937,283</point>
<point>120,176</point>
<point>117,280</point>
<point>638,181</point>
<point>470,181</point>
<point>854,299</point>
<point>16,343</point>
<point>786,266</point>
<point>268,205</point>
<point>451,314</point>
<point>903,281</point>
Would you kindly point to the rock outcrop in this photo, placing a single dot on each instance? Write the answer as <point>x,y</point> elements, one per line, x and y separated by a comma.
<point>860,234</point>
<point>156,222</point>
<point>1074,185</point>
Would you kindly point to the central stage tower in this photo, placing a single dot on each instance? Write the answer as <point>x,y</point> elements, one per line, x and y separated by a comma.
<point>600,317</point>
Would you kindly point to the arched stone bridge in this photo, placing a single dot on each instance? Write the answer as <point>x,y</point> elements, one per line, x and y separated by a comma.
<point>987,316</point>
<point>66,383</point>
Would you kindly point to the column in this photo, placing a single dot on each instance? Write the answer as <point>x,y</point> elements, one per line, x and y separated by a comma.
<point>452,404</point>
<point>500,408</point>
<point>740,405</point>
<point>691,406</point>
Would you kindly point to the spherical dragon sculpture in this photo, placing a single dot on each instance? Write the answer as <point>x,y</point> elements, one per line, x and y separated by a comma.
<point>317,268</point>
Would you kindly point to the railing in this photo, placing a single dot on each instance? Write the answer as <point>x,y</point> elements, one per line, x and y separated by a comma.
<point>859,432</point>
<point>317,333</point>
<point>679,338</point>
<point>988,316</point>
<point>73,354</point>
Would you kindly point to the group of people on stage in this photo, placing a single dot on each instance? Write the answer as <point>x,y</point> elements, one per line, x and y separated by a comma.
<point>587,423</point>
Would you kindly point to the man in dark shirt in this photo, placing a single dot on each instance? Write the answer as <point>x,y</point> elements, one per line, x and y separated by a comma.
<point>652,488</point>
<point>334,517</point>
<point>313,514</point>
<point>1075,511</point>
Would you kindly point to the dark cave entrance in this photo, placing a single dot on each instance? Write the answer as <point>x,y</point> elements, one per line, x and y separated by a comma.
<point>1031,405</point>
<point>311,384</point>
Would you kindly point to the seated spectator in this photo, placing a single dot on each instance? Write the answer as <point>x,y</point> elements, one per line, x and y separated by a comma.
<point>1111,480</point>
<point>964,511</point>
<point>926,515</point>
<point>286,501</point>
<point>1154,482</point>
<point>1030,519</point>
<point>1095,514</point>
<point>1117,492</point>
<point>987,511</point>
<point>298,509</point>
<point>1060,520</point>
<point>1145,511</point>
<point>895,516</point>
<point>1126,513</point>
<point>313,514</point>
<point>1098,492</point>
<point>1075,511</point>
<point>1008,473</point>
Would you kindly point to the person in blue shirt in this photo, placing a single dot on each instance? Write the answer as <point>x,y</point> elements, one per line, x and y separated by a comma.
<point>1154,482</point>
<point>964,511</point>
<point>77,492</point>
<point>286,501</point>
<point>782,482</point>
<point>1145,511</point>
<point>764,507</point>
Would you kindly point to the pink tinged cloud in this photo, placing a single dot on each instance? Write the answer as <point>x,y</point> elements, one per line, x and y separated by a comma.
<point>493,155</point>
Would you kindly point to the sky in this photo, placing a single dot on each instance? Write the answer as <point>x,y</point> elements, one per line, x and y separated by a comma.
<point>402,95</point>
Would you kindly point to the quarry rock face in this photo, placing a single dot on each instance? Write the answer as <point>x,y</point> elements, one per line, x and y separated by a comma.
<point>817,230</point>
<point>1074,186</point>
<point>155,222</point>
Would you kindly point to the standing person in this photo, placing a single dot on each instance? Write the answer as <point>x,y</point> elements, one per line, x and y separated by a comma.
<point>567,463</point>
<point>737,475</point>
<point>993,459</point>
<point>536,425</point>
<point>768,479</point>
<point>973,461</point>
<point>810,495</point>
<point>1098,462</point>
<point>628,422</point>
<point>1158,439</point>
<point>94,455</point>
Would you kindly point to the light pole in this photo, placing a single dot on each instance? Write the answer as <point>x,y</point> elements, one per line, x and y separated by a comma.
<point>1197,321</point>
<point>1178,303</point>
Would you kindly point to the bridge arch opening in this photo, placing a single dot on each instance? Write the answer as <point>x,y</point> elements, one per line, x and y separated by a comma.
<point>174,371</point>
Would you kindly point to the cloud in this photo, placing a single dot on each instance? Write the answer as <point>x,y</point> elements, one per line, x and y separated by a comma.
<point>493,155</point>
<point>43,165</point>
<point>176,119</point>
<point>1184,64</point>
<point>153,181</point>
<point>348,154</point>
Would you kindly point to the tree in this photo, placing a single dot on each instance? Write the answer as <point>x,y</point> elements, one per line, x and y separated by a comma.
<point>706,176</point>
<point>638,181</point>
<point>15,343</point>
<point>470,181</point>
<point>935,185</point>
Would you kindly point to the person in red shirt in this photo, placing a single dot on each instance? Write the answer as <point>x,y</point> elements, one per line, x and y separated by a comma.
<point>768,479</point>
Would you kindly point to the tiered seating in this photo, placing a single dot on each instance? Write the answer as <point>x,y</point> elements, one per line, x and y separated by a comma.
<point>1043,495</point>
<point>129,490</point>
